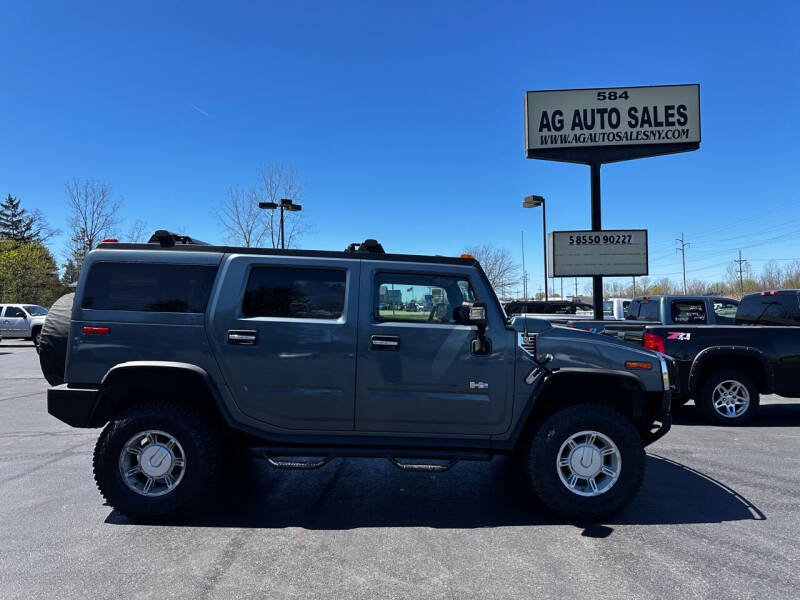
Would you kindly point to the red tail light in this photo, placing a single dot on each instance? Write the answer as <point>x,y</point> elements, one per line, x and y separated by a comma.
<point>654,342</point>
<point>770,293</point>
<point>96,330</point>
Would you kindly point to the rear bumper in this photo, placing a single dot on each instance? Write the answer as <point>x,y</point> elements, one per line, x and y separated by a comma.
<point>73,406</point>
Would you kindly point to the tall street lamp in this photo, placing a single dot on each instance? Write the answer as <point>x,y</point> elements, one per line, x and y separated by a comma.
<point>534,202</point>
<point>284,204</point>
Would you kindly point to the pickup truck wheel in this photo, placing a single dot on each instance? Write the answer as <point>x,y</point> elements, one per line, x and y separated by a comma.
<point>728,397</point>
<point>585,461</point>
<point>157,457</point>
<point>35,333</point>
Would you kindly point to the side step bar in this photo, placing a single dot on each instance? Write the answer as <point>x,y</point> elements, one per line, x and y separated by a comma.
<point>422,467</point>
<point>302,459</point>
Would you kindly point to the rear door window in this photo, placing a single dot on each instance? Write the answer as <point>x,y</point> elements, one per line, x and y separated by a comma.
<point>148,287</point>
<point>688,312</point>
<point>295,293</point>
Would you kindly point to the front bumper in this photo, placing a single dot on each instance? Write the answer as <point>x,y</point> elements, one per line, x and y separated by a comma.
<point>663,417</point>
<point>73,406</point>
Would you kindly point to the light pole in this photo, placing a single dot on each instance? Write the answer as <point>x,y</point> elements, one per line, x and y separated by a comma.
<point>533,202</point>
<point>284,204</point>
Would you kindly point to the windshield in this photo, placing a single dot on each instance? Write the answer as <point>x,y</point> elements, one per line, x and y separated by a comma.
<point>35,310</point>
<point>608,307</point>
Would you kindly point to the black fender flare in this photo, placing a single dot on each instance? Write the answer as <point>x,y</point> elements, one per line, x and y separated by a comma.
<point>715,351</point>
<point>156,376</point>
<point>545,380</point>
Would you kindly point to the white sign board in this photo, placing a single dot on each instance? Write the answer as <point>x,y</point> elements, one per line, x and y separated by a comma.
<point>612,252</point>
<point>627,116</point>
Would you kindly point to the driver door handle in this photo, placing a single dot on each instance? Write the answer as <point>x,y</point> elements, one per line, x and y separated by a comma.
<point>242,337</point>
<point>384,342</point>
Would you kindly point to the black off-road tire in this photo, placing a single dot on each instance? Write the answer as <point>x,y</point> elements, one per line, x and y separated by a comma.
<point>705,397</point>
<point>194,431</point>
<point>35,332</point>
<point>542,451</point>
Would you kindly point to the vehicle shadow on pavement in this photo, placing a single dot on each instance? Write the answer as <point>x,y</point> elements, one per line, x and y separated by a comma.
<point>351,494</point>
<point>768,415</point>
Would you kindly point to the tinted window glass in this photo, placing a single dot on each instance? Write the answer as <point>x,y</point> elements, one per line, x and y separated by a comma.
<point>36,310</point>
<point>778,309</point>
<point>13,311</point>
<point>725,312</point>
<point>148,287</point>
<point>688,312</point>
<point>295,293</point>
<point>649,311</point>
<point>422,298</point>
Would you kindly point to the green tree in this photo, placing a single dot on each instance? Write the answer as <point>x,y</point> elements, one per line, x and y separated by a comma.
<point>22,226</point>
<point>15,223</point>
<point>28,273</point>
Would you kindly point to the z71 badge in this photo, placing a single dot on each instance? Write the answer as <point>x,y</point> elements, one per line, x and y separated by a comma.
<point>679,335</point>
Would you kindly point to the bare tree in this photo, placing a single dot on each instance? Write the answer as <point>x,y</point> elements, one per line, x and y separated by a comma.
<point>245,224</point>
<point>498,265</point>
<point>771,275</point>
<point>137,233</point>
<point>240,219</point>
<point>94,213</point>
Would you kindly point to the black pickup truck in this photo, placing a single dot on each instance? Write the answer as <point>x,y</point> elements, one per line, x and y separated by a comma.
<point>725,368</point>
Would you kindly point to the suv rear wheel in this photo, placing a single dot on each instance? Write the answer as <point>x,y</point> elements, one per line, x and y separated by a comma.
<point>728,397</point>
<point>585,461</point>
<point>156,458</point>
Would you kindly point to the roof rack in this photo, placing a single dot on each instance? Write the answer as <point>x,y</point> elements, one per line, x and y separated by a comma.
<point>169,239</point>
<point>368,245</point>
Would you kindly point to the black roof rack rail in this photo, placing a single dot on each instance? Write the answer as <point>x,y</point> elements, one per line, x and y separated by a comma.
<point>368,245</point>
<point>168,239</point>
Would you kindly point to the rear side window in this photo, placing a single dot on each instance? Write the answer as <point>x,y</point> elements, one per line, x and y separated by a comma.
<point>777,309</point>
<point>295,293</point>
<point>689,312</point>
<point>148,287</point>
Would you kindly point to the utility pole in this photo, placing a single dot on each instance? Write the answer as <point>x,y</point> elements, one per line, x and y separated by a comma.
<point>524,274</point>
<point>682,250</point>
<point>576,287</point>
<point>562,287</point>
<point>634,287</point>
<point>741,262</point>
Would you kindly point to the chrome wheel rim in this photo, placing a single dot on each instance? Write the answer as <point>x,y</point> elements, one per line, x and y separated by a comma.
<point>730,398</point>
<point>588,463</point>
<point>152,463</point>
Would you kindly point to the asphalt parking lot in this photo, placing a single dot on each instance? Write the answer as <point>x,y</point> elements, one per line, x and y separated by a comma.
<point>718,517</point>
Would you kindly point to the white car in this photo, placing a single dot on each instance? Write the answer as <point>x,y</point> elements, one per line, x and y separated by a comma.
<point>22,321</point>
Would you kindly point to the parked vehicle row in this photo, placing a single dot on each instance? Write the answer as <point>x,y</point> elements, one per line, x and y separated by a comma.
<point>194,356</point>
<point>726,357</point>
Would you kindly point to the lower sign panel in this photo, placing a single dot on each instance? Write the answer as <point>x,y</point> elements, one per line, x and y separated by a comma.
<point>610,253</point>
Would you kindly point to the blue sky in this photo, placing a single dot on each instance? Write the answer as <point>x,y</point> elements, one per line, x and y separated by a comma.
<point>405,119</point>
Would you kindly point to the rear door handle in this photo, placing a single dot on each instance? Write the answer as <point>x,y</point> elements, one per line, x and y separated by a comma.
<point>384,342</point>
<point>242,337</point>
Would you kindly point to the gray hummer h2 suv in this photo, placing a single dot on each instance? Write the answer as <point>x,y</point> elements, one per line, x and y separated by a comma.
<point>195,357</point>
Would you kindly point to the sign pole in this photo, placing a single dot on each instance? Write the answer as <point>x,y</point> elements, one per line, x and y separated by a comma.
<point>597,281</point>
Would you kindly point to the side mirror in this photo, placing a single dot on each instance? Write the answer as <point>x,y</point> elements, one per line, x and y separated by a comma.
<point>477,314</point>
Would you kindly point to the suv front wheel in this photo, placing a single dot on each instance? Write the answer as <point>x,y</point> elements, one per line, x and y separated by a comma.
<point>585,461</point>
<point>156,457</point>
